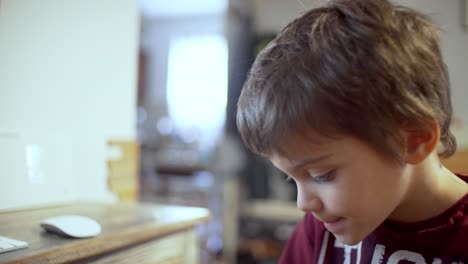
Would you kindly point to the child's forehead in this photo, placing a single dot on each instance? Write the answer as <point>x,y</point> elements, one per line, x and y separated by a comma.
<point>297,146</point>
<point>299,151</point>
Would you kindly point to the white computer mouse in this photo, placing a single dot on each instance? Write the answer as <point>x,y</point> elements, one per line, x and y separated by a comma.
<point>72,225</point>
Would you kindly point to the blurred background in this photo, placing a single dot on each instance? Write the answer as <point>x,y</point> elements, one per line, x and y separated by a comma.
<point>135,101</point>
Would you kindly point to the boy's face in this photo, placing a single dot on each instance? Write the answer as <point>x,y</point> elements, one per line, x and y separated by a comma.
<point>344,183</point>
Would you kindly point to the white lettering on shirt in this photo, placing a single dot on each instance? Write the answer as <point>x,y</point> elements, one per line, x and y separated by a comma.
<point>406,255</point>
<point>378,255</point>
<point>379,252</point>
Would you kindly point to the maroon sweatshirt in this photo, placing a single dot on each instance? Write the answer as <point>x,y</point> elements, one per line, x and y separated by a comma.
<point>439,240</point>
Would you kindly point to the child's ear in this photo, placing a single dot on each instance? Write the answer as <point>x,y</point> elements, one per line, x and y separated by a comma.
<point>420,142</point>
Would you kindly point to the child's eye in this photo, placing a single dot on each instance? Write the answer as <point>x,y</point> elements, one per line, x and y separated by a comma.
<point>329,176</point>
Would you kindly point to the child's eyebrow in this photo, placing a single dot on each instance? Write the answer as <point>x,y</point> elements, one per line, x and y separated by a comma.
<point>296,165</point>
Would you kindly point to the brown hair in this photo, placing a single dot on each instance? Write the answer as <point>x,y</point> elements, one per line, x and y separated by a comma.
<point>356,67</point>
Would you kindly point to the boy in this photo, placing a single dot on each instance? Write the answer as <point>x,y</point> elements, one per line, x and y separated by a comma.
<point>352,101</point>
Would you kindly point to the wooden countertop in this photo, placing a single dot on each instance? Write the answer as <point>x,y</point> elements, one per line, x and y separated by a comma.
<point>123,225</point>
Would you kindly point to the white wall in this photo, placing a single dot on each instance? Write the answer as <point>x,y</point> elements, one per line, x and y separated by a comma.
<point>67,85</point>
<point>272,15</point>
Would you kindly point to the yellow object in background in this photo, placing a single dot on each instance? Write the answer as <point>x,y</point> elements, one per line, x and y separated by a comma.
<point>458,162</point>
<point>123,170</point>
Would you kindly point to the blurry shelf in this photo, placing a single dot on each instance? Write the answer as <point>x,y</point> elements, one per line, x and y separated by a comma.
<point>180,170</point>
<point>271,210</point>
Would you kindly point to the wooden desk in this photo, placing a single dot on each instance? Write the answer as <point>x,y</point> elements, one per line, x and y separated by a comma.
<point>131,233</point>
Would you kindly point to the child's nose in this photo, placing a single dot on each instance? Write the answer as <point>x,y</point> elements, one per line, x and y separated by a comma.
<point>307,201</point>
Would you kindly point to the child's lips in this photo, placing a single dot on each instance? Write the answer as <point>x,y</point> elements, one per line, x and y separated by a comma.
<point>335,226</point>
<point>332,221</point>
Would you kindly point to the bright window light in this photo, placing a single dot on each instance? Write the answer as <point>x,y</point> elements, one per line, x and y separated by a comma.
<point>197,86</point>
